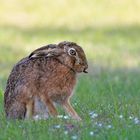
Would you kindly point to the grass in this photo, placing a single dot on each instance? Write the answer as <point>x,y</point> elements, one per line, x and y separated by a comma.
<point>107,98</point>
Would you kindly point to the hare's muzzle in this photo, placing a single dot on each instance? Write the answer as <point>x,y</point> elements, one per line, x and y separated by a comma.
<point>85,71</point>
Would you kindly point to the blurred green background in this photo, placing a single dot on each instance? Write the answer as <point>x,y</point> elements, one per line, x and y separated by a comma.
<point>108,31</point>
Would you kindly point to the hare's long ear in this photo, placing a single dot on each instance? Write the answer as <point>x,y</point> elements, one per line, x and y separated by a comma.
<point>46,51</point>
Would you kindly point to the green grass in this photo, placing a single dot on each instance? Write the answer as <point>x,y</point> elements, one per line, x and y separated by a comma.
<point>109,33</point>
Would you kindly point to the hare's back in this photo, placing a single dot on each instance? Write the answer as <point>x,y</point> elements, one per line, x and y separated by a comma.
<point>18,78</point>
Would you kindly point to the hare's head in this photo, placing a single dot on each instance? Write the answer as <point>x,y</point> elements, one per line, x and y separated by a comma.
<point>68,53</point>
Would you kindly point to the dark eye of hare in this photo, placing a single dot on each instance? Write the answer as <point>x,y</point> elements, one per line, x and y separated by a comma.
<point>72,51</point>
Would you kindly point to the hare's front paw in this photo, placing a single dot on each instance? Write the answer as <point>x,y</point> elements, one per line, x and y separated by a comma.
<point>77,118</point>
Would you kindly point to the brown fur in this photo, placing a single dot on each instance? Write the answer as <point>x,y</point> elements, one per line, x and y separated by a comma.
<point>48,74</point>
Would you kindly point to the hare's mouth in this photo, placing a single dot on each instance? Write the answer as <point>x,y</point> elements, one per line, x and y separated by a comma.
<point>85,71</point>
<point>80,70</point>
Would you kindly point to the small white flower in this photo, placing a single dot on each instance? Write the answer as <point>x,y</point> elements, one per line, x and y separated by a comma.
<point>57,126</point>
<point>109,126</point>
<point>37,117</point>
<point>136,120</point>
<point>100,124</point>
<point>66,117</point>
<point>40,117</point>
<point>130,117</point>
<point>74,137</point>
<point>91,133</point>
<point>93,114</point>
<point>65,132</point>
<point>60,116</point>
<point>121,116</point>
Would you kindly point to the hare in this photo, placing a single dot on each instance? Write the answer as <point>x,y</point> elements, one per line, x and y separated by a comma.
<point>47,76</point>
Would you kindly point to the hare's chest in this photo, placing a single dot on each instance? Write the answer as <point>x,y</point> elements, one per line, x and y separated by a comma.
<point>60,94</point>
<point>60,86</point>
<point>59,98</point>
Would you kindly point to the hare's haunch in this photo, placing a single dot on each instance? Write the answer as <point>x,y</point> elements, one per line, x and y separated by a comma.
<point>46,76</point>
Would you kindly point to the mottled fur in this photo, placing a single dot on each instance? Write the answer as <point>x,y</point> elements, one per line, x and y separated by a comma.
<point>48,74</point>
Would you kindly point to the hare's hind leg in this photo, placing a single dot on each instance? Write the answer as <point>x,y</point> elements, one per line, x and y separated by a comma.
<point>16,111</point>
<point>48,102</point>
<point>29,109</point>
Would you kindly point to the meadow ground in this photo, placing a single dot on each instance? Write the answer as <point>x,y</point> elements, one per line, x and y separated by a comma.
<point>108,97</point>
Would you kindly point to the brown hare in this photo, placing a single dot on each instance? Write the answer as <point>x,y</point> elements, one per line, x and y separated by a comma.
<point>48,76</point>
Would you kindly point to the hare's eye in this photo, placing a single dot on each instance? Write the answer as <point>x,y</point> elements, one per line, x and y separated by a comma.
<point>72,51</point>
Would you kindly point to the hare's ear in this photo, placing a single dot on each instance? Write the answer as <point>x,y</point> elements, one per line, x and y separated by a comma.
<point>46,51</point>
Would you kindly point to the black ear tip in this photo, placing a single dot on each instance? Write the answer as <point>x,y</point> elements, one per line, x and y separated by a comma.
<point>30,55</point>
